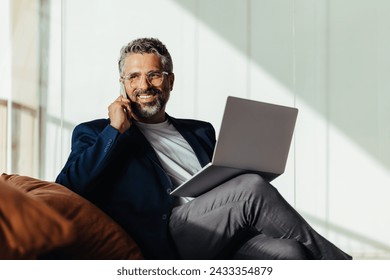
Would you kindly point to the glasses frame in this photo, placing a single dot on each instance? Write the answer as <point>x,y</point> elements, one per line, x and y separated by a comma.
<point>127,78</point>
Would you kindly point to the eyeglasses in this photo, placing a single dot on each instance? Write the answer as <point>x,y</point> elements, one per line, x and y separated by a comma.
<point>153,78</point>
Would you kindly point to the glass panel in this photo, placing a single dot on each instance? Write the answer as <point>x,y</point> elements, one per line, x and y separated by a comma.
<point>28,34</point>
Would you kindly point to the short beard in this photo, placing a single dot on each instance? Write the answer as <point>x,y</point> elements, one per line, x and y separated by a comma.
<point>150,109</point>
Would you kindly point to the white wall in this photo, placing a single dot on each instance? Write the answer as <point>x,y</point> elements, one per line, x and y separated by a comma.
<point>328,58</point>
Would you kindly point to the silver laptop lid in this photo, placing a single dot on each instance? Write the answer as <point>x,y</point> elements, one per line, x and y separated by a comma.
<point>255,135</point>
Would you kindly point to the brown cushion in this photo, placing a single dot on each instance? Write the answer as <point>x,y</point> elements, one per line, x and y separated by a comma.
<point>98,236</point>
<point>28,227</point>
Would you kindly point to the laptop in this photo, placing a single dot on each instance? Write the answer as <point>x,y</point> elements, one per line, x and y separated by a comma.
<point>255,137</point>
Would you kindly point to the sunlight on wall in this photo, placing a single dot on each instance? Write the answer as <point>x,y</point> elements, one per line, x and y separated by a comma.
<point>359,184</point>
<point>341,188</point>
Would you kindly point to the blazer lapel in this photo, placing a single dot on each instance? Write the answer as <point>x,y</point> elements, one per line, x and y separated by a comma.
<point>141,141</point>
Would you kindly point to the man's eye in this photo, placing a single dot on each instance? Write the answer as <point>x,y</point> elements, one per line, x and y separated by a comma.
<point>154,75</point>
<point>134,77</point>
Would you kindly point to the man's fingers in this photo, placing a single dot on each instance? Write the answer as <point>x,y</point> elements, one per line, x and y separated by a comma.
<point>127,109</point>
<point>120,113</point>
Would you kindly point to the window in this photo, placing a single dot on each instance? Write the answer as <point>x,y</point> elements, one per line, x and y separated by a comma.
<point>30,52</point>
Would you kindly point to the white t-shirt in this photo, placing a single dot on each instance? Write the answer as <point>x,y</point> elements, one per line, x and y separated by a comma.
<point>175,154</point>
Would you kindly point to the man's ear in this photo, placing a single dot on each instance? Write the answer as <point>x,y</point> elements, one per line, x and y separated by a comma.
<point>171,80</point>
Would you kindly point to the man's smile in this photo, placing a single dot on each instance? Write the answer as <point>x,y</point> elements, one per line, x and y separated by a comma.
<point>146,97</point>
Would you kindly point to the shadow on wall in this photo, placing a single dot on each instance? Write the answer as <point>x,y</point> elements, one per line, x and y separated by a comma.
<point>331,43</point>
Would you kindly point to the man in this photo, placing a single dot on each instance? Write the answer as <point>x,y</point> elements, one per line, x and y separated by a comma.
<point>129,163</point>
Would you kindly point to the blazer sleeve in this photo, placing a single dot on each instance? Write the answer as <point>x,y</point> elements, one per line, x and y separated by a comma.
<point>91,147</point>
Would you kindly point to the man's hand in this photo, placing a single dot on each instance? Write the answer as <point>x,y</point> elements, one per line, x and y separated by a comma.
<point>120,114</point>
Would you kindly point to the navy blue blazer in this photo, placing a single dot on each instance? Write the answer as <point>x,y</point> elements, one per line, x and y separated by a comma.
<point>122,175</point>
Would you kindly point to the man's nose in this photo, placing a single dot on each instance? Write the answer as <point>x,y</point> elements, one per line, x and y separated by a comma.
<point>144,83</point>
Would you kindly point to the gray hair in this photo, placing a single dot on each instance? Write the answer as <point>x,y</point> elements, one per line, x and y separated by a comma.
<point>146,45</point>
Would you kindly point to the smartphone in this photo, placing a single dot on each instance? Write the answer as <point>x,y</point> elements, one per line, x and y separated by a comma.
<point>123,90</point>
<point>123,93</point>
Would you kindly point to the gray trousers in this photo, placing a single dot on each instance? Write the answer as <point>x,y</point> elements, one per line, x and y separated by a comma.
<point>246,218</point>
